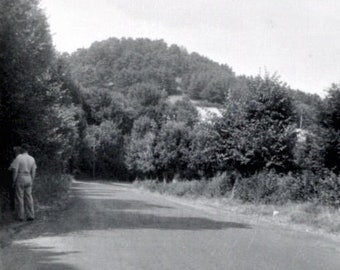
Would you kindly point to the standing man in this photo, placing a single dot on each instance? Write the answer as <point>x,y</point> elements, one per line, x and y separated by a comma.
<point>24,168</point>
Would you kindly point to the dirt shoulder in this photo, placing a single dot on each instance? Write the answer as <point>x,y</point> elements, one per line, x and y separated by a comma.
<point>10,226</point>
<point>306,217</point>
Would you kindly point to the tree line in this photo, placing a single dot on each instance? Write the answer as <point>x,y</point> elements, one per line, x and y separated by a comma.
<point>106,111</point>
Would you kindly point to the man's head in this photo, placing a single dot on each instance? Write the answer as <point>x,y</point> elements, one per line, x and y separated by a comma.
<point>17,150</point>
<point>25,148</point>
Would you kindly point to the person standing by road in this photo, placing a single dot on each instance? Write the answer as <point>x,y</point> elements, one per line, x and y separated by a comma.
<point>24,168</point>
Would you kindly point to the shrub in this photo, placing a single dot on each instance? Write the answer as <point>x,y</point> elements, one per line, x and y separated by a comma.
<point>261,187</point>
<point>296,188</point>
<point>193,188</point>
<point>329,190</point>
<point>51,188</point>
<point>221,184</point>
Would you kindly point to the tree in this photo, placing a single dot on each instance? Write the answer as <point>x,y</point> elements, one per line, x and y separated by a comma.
<point>139,156</point>
<point>99,101</point>
<point>172,149</point>
<point>183,111</point>
<point>33,97</point>
<point>310,150</point>
<point>145,94</point>
<point>203,151</point>
<point>104,143</point>
<point>330,119</point>
<point>60,138</point>
<point>26,54</point>
<point>258,131</point>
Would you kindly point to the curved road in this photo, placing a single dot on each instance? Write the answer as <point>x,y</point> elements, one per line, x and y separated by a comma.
<point>114,226</point>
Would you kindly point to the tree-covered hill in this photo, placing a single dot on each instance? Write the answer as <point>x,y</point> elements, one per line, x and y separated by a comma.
<point>141,96</point>
<point>120,64</point>
<point>127,66</point>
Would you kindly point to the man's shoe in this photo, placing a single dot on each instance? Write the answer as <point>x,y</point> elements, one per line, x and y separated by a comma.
<point>30,219</point>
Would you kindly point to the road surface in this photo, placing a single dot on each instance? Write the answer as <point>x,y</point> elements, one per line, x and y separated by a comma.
<point>114,226</point>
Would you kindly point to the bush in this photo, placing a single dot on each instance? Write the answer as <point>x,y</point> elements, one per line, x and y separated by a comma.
<point>221,184</point>
<point>261,187</point>
<point>192,188</point>
<point>323,188</point>
<point>296,188</point>
<point>329,190</point>
<point>51,188</point>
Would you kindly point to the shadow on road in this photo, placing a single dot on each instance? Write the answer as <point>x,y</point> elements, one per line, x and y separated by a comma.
<point>33,258</point>
<point>47,259</point>
<point>99,209</point>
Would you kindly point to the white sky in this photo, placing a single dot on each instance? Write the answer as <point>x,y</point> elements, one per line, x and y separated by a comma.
<point>298,39</point>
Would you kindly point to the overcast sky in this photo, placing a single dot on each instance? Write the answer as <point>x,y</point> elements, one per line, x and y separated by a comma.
<point>298,39</point>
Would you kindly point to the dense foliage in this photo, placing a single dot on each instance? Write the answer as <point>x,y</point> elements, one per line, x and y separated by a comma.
<point>130,66</point>
<point>147,90</point>
<point>37,105</point>
<point>257,132</point>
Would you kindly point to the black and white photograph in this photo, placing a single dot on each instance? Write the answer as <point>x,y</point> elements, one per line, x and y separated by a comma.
<point>169,135</point>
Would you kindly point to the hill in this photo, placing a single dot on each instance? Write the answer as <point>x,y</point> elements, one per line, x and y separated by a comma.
<point>142,96</point>
<point>132,66</point>
<point>118,65</point>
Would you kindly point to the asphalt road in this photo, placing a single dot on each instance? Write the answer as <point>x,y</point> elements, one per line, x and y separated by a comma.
<point>114,226</point>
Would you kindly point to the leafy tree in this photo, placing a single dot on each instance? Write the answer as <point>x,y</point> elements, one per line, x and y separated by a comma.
<point>145,94</point>
<point>36,106</point>
<point>183,111</point>
<point>26,54</point>
<point>99,102</point>
<point>103,151</point>
<point>139,157</point>
<point>258,132</point>
<point>123,112</point>
<point>310,150</point>
<point>61,137</point>
<point>203,157</point>
<point>172,149</point>
<point>330,119</point>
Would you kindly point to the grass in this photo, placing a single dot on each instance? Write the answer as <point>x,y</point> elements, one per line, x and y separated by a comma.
<point>51,189</point>
<point>310,215</point>
<point>317,216</point>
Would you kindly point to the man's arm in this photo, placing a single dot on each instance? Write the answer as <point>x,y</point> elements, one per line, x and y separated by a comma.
<point>15,175</point>
<point>33,174</point>
<point>33,170</point>
<point>14,167</point>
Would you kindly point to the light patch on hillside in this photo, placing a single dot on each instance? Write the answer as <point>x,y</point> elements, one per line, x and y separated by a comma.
<point>207,113</point>
<point>174,98</point>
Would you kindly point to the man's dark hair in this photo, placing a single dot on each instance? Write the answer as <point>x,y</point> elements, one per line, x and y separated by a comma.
<point>25,147</point>
<point>17,150</point>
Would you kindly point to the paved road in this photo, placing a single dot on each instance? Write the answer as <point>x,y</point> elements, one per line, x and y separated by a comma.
<point>113,226</point>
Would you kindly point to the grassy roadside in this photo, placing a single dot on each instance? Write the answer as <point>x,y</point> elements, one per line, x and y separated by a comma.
<point>312,216</point>
<point>50,191</point>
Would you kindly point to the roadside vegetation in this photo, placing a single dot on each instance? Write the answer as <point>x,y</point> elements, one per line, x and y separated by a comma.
<point>51,190</point>
<point>37,102</point>
<point>109,111</point>
<point>285,205</point>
